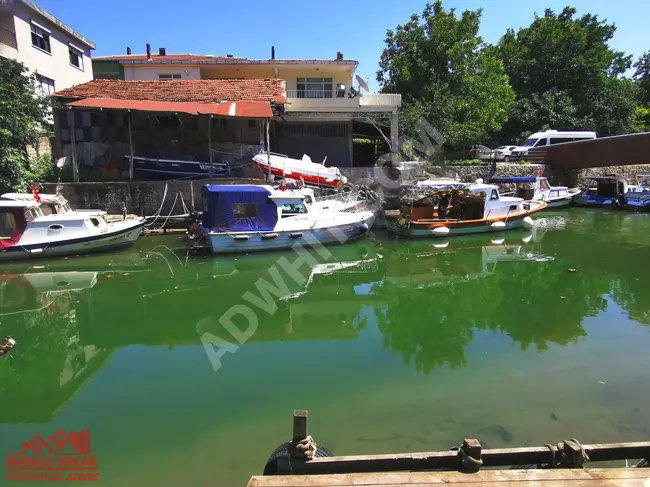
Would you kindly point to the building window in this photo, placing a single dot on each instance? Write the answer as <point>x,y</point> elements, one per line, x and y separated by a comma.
<point>314,87</point>
<point>76,57</point>
<point>46,84</point>
<point>166,77</point>
<point>41,38</point>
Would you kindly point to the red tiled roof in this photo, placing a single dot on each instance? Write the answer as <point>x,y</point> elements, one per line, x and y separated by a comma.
<point>246,109</point>
<point>199,91</point>
<point>158,57</point>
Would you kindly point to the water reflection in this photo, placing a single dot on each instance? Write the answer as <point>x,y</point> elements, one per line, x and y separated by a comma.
<point>428,301</point>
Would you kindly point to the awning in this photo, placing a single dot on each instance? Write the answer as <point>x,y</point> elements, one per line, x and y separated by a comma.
<point>244,108</point>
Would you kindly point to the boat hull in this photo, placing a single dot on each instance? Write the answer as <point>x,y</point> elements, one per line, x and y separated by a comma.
<point>311,173</point>
<point>235,243</point>
<point>118,238</point>
<point>592,201</point>
<point>559,202</point>
<point>161,169</point>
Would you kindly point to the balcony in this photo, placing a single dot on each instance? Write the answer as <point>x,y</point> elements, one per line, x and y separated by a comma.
<point>319,100</point>
<point>331,101</point>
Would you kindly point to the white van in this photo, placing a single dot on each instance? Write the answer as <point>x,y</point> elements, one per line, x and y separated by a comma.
<point>550,137</point>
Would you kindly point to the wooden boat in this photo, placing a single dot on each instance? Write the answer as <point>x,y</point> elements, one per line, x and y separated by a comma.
<point>477,209</point>
<point>245,218</point>
<point>304,462</point>
<point>26,232</point>
<point>538,189</point>
<point>310,172</point>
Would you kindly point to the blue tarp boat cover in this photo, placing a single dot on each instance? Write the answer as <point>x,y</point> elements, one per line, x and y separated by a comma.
<point>238,208</point>
<point>514,179</point>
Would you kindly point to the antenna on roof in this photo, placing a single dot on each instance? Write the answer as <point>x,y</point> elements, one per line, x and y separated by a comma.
<point>362,83</point>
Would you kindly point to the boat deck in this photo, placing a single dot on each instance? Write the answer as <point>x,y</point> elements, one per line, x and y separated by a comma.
<point>620,477</point>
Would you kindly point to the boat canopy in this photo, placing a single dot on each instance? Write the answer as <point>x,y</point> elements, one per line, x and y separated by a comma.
<point>237,208</point>
<point>514,179</point>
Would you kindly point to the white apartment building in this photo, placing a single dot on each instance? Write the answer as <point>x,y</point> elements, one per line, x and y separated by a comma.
<point>58,56</point>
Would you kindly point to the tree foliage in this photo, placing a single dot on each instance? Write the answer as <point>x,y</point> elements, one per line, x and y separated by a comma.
<point>446,74</point>
<point>566,76</point>
<point>22,111</point>
<point>642,77</point>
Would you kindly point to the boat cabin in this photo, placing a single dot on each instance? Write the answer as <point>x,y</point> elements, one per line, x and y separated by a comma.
<point>607,186</point>
<point>475,202</point>
<point>531,187</point>
<point>51,204</point>
<point>242,208</point>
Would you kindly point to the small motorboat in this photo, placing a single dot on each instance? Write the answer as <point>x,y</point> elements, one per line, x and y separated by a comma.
<point>479,208</point>
<point>609,191</point>
<point>27,232</point>
<point>245,218</point>
<point>310,172</point>
<point>638,197</point>
<point>538,189</point>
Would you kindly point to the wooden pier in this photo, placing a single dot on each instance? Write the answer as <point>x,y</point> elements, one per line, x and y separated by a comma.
<point>301,462</point>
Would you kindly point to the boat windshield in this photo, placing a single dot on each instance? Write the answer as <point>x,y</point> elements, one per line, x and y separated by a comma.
<point>530,143</point>
<point>293,209</point>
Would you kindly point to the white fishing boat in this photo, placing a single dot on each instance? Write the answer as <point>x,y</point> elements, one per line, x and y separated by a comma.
<point>440,183</point>
<point>246,218</point>
<point>26,232</point>
<point>310,172</point>
<point>538,189</point>
<point>476,209</point>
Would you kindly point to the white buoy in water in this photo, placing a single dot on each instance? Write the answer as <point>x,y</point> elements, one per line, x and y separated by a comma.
<point>440,231</point>
<point>441,245</point>
<point>497,241</point>
<point>527,239</point>
<point>498,225</point>
<point>528,222</point>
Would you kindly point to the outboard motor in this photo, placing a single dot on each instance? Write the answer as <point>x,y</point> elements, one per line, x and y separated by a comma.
<point>7,345</point>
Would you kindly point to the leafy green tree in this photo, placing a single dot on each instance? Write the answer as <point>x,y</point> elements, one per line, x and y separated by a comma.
<point>566,76</point>
<point>22,111</point>
<point>642,80</point>
<point>446,75</point>
<point>642,77</point>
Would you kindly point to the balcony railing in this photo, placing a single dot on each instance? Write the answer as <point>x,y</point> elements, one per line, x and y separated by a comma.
<point>8,38</point>
<point>315,94</point>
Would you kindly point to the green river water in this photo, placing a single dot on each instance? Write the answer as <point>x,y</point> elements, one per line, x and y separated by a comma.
<point>412,349</point>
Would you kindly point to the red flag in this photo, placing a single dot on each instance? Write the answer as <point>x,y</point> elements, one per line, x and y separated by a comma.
<point>37,197</point>
<point>302,182</point>
<point>283,185</point>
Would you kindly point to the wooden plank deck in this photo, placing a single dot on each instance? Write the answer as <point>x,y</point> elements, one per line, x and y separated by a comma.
<point>619,477</point>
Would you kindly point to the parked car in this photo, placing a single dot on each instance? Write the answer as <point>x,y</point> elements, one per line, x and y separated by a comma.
<point>550,137</point>
<point>503,153</point>
<point>479,152</point>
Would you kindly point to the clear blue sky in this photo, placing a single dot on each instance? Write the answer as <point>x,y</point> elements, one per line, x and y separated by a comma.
<point>304,30</point>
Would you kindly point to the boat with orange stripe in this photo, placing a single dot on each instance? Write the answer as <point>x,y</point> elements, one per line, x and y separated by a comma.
<point>479,208</point>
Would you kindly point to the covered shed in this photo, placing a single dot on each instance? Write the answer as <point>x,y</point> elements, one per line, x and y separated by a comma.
<point>103,124</point>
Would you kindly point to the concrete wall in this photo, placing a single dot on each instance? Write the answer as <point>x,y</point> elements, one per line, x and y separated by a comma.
<point>55,65</point>
<point>151,72</point>
<point>141,198</point>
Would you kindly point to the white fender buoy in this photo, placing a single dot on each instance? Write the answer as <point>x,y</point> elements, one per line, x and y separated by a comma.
<point>527,238</point>
<point>441,245</point>
<point>497,241</point>
<point>528,222</point>
<point>607,202</point>
<point>498,225</point>
<point>364,227</point>
<point>440,231</point>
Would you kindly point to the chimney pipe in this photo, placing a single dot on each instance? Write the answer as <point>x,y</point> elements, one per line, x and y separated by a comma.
<point>162,51</point>
<point>339,56</point>
<point>148,51</point>
<point>272,52</point>
<point>128,51</point>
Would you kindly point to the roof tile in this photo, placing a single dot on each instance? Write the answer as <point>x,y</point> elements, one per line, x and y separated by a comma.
<point>202,91</point>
